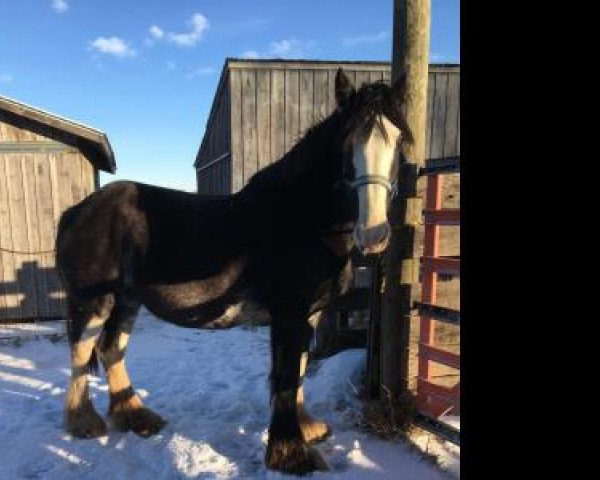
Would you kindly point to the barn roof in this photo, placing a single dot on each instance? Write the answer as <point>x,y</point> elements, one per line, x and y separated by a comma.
<point>92,143</point>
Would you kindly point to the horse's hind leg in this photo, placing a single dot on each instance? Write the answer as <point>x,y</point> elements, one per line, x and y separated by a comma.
<point>85,322</point>
<point>126,409</point>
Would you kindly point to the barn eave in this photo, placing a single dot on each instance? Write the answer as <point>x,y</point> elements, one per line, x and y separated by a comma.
<point>93,143</point>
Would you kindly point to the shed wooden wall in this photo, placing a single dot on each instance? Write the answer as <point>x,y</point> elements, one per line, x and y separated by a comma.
<point>39,179</point>
<point>213,175</point>
<point>269,105</point>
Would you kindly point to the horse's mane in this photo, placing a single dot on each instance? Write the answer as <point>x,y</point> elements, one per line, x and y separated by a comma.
<point>321,144</point>
<point>310,152</point>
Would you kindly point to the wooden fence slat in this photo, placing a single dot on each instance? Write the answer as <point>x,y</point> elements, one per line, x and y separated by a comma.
<point>443,314</point>
<point>448,395</point>
<point>445,216</point>
<point>447,266</point>
<point>439,355</point>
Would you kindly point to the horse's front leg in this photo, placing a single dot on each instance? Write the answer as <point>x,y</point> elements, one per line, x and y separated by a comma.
<point>313,430</point>
<point>287,449</point>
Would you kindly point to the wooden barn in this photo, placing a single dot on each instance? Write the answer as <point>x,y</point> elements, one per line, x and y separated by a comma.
<point>262,107</point>
<point>47,163</point>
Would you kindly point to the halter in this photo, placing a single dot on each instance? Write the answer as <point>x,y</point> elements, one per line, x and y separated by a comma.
<point>390,186</point>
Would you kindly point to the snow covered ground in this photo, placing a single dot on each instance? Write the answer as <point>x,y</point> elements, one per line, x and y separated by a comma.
<point>212,388</point>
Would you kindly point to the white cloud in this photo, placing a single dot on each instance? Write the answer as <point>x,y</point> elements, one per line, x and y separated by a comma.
<point>362,39</point>
<point>156,31</point>
<point>6,78</point>
<point>250,54</point>
<point>199,24</point>
<point>60,6</point>
<point>113,46</point>
<point>289,48</point>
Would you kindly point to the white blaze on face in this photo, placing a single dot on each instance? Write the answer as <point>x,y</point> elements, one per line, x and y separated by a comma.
<point>374,155</point>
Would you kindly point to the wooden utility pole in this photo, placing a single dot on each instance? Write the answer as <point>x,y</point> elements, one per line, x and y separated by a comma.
<point>401,263</point>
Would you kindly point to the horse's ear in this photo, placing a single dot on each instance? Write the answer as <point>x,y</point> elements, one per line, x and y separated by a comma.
<point>344,90</point>
<point>399,88</point>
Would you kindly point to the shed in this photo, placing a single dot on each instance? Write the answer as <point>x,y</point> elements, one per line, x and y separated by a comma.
<point>262,107</point>
<point>47,163</point>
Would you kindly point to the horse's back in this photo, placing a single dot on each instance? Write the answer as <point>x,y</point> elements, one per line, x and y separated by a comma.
<point>125,220</point>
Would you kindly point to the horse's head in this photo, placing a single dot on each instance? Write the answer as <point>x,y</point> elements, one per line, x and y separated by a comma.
<point>373,129</point>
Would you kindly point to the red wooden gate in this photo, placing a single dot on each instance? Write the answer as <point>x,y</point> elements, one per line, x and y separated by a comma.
<point>433,399</point>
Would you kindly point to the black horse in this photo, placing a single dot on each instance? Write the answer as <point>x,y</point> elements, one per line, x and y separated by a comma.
<point>282,242</point>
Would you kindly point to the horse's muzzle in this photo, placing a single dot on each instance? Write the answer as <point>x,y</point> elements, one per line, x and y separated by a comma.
<point>372,240</point>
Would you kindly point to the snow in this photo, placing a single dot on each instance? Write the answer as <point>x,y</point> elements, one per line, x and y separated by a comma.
<point>212,387</point>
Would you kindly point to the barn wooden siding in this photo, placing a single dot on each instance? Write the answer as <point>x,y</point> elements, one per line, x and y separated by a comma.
<point>262,108</point>
<point>39,179</point>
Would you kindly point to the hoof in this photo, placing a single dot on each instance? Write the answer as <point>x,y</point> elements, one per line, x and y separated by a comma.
<point>136,418</point>
<point>294,456</point>
<point>313,431</point>
<point>84,422</point>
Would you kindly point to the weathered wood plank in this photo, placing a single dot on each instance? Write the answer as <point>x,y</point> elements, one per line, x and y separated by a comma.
<point>387,76</point>
<point>88,176</point>
<point>362,78</point>
<point>452,108</point>
<point>375,76</point>
<point>3,218</point>
<point>277,114</point>
<point>46,225</point>
<point>227,131</point>
<point>439,116</point>
<point>306,99</point>
<point>237,149</point>
<point>431,78</point>
<point>10,263</point>
<point>263,117</point>
<point>351,74</point>
<point>331,91</point>
<point>18,220</point>
<point>76,184</point>
<point>321,98</point>
<point>249,133</point>
<point>6,259</point>
<point>33,234</point>
<point>292,108</point>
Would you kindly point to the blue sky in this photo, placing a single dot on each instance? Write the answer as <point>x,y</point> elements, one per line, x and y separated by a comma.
<point>145,72</point>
